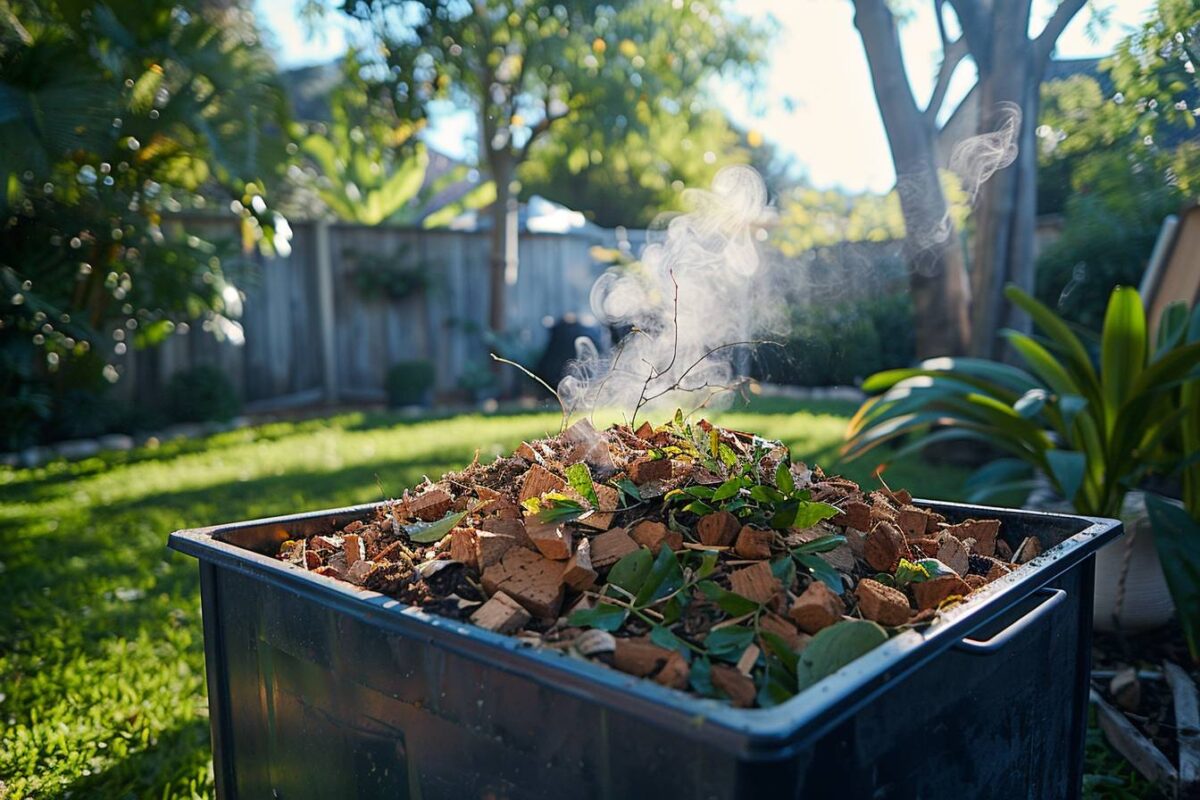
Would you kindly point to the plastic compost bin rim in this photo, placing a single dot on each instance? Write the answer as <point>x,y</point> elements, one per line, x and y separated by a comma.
<point>753,734</point>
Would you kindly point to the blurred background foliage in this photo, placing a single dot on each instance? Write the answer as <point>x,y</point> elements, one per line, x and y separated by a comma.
<point>112,115</point>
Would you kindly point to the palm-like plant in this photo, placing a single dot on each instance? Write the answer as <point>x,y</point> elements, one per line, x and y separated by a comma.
<point>1094,427</point>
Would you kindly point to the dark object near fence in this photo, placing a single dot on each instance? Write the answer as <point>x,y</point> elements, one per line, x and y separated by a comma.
<point>409,383</point>
<point>318,689</point>
<point>202,394</point>
<point>560,348</point>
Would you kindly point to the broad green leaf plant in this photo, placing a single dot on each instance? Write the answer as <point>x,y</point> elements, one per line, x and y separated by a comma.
<point>1094,425</point>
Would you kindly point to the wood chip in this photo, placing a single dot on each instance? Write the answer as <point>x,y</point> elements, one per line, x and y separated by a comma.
<point>983,531</point>
<point>881,603</point>
<point>733,684</point>
<point>754,543</point>
<point>1187,724</point>
<point>359,571</point>
<point>748,659</point>
<point>531,579</point>
<point>718,529</point>
<point>537,481</point>
<point>610,547</point>
<point>654,535</point>
<point>501,614</point>
<point>755,582</point>
<point>674,673</point>
<point>931,593</point>
<point>552,539</point>
<point>464,546</point>
<point>430,505</point>
<point>816,608</point>
<point>885,545</point>
<point>926,547</point>
<point>639,657</point>
<point>312,560</point>
<point>913,521</point>
<point>648,470</point>
<point>953,553</point>
<point>1029,549</point>
<point>1127,740</point>
<point>855,514</point>
<point>491,547</point>
<point>497,505</point>
<point>770,622</point>
<point>579,573</point>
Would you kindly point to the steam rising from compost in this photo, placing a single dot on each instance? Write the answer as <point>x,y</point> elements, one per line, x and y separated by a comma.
<point>700,294</point>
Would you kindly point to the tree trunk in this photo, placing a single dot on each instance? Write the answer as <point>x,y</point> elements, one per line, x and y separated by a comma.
<point>938,274</point>
<point>503,245</point>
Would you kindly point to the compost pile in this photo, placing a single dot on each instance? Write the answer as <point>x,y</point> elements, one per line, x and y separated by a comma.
<point>698,557</point>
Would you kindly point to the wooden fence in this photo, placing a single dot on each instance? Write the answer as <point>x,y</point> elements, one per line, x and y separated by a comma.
<point>313,334</point>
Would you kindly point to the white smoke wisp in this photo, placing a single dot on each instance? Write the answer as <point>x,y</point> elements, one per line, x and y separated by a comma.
<point>700,292</point>
<point>977,158</point>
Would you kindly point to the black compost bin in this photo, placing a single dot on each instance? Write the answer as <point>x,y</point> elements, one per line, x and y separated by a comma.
<point>319,689</point>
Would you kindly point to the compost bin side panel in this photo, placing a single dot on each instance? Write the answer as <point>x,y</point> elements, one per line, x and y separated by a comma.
<point>967,725</point>
<point>327,704</point>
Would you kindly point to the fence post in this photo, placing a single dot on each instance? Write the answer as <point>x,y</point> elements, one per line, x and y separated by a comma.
<point>325,310</point>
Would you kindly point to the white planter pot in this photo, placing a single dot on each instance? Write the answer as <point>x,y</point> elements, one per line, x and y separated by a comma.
<point>1143,602</point>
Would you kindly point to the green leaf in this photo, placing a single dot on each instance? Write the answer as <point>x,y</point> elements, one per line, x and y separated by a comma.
<point>700,677</point>
<point>1031,403</point>
<point>728,643</point>
<point>934,568</point>
<point>908,572</point>
<point>664,577</point>
<point>727,456</point>
<point>630,572</point>
<point>664,637</point>
<point>1122,349</point>
<point>821,569</point>
<point>699,508</point>
<point>784,569</point>
<point>822,544</point>
<point>766,494</point>
<point>1177,538</point>
<point>430,532</point>
<point>778,648</point>
<point>811,513</point>
<point>783,478</point>
<point>605,616</point>
<point>835,647</point>
<point>729,602</point>
<point>1067,467</point>
<point>727,489</point>
<point>629,489</point>
<point>1001,470</point>
<point>580,479</point>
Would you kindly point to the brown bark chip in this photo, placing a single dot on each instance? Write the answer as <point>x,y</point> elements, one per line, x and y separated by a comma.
<point>501,614</point>
<point>953,553</point>
<point>655,534</point>
<point>737,686</point>
<point>1030,549</point>
<point>975,581</point>
<point>998,571</point>
<point>754,543</point>
<point>512,528</point>
<point>552,539</point>
<point>537,481</point>
<point>579,574</point>
<point>311,559</point>
<point>359,571</point>
<point>496,504</point>
<point>771,622</point>
<point>650,470</point>
<point>855,514</point>
<point>817,608</point>
<point>464,546</point>
<point>926,547</point>
<point>532,580</point>
<point>718,529</point>
<point>674,673</point>
<point>884,547</point>
<point>755,582</point>
<point>881,603</point>
<point>983,531</point>
<point>930,593</point>
<point>610,547</point>
<point>639,657</point>
<point>431,504</point>
<point>492,547</point>
<point>913,521</point>
<point>1003,551</point>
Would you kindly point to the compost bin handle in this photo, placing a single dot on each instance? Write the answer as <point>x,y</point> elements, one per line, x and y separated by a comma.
<point>1052,598</point>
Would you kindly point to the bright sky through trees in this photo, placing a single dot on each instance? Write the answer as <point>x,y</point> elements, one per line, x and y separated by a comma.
<point>816,105</point>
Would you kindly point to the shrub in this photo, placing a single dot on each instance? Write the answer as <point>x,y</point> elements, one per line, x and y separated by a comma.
<point>409,382</point>
<point>201,394</point>
<point>840,345</point>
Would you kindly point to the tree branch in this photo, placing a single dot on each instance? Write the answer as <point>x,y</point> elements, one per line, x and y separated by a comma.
<point>952,55</point>
<point>975,21</point>
<point>1043,45</point>
<point>543,125</point>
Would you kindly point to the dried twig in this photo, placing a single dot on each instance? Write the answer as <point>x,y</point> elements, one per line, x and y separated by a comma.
<point>546,386</point>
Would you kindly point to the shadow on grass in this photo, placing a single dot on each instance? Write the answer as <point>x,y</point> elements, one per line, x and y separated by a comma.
<point>176,758</point>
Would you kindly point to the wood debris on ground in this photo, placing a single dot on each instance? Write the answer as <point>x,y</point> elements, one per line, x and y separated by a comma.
<point>698,557</point>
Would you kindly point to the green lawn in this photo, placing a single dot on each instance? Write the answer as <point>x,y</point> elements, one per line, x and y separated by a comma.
<point>101,652</point>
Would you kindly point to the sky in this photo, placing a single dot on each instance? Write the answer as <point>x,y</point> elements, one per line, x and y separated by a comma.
<point>816,103</point>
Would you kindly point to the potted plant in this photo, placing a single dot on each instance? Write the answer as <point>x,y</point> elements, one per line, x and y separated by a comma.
<point>1094,427</point>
